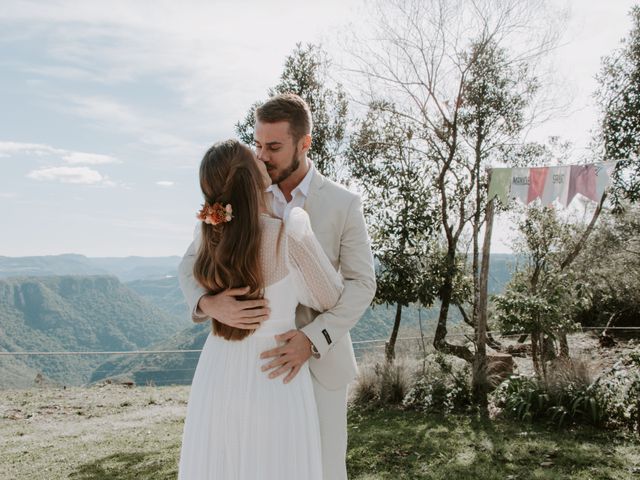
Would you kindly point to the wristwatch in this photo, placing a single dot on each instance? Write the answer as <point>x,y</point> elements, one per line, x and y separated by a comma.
<point>314,351</point>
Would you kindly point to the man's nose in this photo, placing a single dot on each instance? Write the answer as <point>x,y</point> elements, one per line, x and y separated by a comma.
<point>262,155</point>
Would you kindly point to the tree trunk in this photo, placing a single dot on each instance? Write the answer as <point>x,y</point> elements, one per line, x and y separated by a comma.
<point>439,341</point>
<point>564,344</point>
<point>542,354</point>
<point>390,347</point>
<point>535,354</point>
<point>583,239</point>
<point>480,380</point>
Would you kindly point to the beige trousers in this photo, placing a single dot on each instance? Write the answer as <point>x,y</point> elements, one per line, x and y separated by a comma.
<point>332,411</point>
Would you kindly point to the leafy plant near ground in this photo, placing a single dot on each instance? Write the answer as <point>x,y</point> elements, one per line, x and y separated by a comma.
<point>435,385</point>
<point>570,397</point>
<point>440,387</point>
<point>620,390</point>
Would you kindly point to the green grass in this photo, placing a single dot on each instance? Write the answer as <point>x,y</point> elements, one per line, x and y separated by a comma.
<point>114,432</point>
<point>409,445</point>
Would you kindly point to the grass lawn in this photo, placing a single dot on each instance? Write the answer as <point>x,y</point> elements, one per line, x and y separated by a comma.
<point>114,432</point>
<point>409,445</point>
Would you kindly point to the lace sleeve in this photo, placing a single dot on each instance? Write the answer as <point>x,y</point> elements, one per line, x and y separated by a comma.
<point>318,285</point>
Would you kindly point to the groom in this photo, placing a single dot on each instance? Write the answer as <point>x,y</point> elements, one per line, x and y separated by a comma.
<point>282,141</point>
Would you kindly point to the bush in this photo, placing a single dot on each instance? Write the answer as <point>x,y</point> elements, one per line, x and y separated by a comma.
<point>439,387</point>
<point>570,396</point>
<point>620,389</point>
<point>383,384</point>
<point>574,396</point>
<point>521,397</point>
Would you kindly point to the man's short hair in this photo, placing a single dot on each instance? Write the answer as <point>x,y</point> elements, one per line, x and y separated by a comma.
<point>287,107</point>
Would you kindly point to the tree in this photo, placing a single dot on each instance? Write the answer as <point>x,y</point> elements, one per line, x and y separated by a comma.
<point>608,270</point>
<point>445,67</point>
<point>449,68</point>
<point>398,206</point>
<point>306,73</point>
<point>619,100</point>
<point>540,299</point>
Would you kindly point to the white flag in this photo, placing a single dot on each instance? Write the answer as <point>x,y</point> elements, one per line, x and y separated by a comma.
<point>557,185</point>
<point>520,184</point>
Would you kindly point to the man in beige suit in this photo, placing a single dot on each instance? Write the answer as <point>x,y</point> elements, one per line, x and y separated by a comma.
<point>282,141</point>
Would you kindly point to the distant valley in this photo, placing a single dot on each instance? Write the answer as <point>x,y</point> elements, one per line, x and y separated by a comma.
<point>125,268</point>
<point>76,303</point>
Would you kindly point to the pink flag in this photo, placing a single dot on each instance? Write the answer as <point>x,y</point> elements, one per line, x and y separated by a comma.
<point>582,180</point>
<point>537,179</point>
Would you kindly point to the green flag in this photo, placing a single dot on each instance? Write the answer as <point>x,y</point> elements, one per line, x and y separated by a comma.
<point>500,184</point>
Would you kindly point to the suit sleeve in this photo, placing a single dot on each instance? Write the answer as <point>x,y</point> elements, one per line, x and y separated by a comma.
<point>191,289</point>
<point>356,267</point>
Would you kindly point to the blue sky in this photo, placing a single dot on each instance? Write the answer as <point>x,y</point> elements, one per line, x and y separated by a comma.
<point>107,108</point>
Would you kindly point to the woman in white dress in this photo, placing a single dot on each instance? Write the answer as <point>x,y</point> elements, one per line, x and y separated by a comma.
<point>240,424</point>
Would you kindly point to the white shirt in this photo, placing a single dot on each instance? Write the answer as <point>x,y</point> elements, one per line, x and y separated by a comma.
<point>279,204</point>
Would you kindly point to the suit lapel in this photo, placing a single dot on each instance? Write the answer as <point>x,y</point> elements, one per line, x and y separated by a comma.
<point>317,182</point>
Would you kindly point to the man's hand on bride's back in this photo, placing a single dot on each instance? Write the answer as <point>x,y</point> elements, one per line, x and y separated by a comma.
<point>227,309</point>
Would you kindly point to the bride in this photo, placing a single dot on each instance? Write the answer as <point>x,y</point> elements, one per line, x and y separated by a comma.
<point>240,424</point>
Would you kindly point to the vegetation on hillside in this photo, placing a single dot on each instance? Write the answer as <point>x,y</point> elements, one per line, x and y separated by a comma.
<point>74,313</point>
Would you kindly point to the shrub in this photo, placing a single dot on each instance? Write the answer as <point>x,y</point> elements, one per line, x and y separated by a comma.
<point>522,397</point>
<point>573,394</point>
<point>619,387</point>
<point>569,395</point>
<point>439,387</point>
<point>381,384</point>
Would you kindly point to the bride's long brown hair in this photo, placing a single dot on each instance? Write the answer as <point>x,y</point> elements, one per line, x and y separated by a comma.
<point>228,256</point>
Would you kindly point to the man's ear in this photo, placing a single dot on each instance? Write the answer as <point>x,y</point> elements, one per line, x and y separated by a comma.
<point>306,143</point>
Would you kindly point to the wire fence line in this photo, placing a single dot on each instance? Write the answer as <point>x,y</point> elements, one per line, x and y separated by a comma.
<point>355,344</point>
<point>101,352</point>
<point>179,370</point>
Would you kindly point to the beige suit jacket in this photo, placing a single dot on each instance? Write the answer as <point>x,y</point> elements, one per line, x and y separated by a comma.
<point>338,223</point>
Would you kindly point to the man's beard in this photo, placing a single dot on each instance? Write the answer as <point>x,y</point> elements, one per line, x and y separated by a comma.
<point>286,173</point>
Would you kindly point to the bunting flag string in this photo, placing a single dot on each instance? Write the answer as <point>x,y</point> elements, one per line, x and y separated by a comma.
<point>561,183</point>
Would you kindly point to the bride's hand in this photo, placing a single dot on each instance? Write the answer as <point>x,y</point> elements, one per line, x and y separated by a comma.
<point>244,314</point>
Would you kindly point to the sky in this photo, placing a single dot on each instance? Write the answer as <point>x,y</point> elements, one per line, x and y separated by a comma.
<point>107,107</point>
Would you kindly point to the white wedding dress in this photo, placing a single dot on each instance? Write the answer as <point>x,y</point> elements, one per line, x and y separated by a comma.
<point>240,424</point>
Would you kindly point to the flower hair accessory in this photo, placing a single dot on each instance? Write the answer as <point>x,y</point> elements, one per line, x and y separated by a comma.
<point>215,214</point>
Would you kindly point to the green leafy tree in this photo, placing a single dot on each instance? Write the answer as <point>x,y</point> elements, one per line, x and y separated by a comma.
<point>466,96</point>
<point>540,299</point>
<point>399,208</point>
<point>608,271</point>
<point>450,69</point>
<point>306,73</point>
<point>619,99</point>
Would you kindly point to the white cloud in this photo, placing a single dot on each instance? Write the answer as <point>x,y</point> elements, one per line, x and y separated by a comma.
<point>82,158</point>
<point>8,149</point>
<point>13,148</point>
<point>8,195</point>
<point>75,175</point>
<point>165,183</point>
<point>193,51</point>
